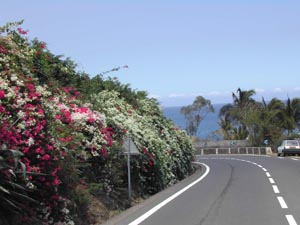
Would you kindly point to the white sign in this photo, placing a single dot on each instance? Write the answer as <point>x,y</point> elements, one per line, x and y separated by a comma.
<point>130,147</point>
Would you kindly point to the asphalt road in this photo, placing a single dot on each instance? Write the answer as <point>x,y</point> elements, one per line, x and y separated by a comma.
<point>230,190</point>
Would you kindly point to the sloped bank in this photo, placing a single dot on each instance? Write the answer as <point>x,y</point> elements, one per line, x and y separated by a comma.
<point>60,148</point>
<point>130,214</point>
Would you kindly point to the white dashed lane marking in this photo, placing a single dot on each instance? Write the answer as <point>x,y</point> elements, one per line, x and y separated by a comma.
<point>275,189</point>
<point>271,180</point>
<point>290,218</point>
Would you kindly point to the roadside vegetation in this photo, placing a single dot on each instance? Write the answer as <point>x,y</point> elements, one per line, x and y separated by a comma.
<point>61,158</point>
<point>261,123</point>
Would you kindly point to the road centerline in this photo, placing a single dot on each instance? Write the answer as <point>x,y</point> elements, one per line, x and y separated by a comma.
<point>275,189</point>
<point>282,202</point>
<point>271,180</point>
<point>291,220</point>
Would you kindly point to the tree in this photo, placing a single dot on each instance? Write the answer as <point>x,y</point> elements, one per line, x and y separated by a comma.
<point>290,114</point>
<point>243,98</point>
<point>233,115</point>
<point>195,113</point>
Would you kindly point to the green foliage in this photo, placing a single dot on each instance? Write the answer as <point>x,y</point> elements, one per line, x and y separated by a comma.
<point>14,186</point>
<point>258,121</point>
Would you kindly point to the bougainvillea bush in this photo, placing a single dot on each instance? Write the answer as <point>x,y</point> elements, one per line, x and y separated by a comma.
<point>46,128</point>
<point>165,151</point>
<point>58,146</point>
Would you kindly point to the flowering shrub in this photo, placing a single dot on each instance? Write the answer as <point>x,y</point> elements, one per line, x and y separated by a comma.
<point>67,146</point>
<point>46,127</point>
<point>161,144</point>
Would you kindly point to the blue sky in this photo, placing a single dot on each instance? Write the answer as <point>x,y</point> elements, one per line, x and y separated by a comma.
<point>175,50</point>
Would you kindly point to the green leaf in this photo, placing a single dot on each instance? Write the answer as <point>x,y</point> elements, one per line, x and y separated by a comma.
<point>23,169</point>
<point>16,154</point>
<point>13,205</point>
<point>24,196</point>
<point>4,190</point>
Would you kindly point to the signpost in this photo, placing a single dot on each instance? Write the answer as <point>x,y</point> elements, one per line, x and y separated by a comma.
<point>130,149</point>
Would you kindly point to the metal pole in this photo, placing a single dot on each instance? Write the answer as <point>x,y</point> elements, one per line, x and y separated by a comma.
<point>128,171</point>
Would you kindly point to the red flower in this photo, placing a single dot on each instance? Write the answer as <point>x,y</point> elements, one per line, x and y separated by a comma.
<point>42,45</point>
<point>145,151</point>
<point>150,163</point>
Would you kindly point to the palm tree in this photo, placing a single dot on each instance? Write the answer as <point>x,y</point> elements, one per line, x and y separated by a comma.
<point>243,98</point>
<point>290,115</point>
<point>232,115</point>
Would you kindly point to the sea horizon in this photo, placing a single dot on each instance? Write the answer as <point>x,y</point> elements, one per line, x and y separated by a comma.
<point>208,127</point>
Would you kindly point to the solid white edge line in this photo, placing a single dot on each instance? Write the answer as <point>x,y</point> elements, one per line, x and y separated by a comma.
<point>291,220</point>
<point>166,201</point>
<point>282,202</point>
<point>276,190</point>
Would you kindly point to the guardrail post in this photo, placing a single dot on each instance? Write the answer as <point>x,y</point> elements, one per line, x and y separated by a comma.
<point>229,151</point>
<point>217,151</point>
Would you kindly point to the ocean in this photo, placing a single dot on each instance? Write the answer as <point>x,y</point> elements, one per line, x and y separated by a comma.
<point>207,127</point>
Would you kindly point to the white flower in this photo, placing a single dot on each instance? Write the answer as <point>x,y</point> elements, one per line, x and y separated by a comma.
<point>13,77</point>
<point>21,114</point>
<point>30,141</point>
<point>65,211</point>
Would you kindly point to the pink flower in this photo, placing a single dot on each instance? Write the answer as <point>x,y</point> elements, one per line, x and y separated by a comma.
<point>56,182</point>
<point>82,110</point>
<point>91,120</point>
<point>21,31</point>
<point>30,87</point>
<point>3,49</point>
<point>104,152</point>
<point>50,147</point>
<point>46,157</point>
<point>2,94</point>
<point>2,108</point>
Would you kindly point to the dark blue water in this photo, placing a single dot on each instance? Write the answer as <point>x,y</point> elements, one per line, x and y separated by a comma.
<point>208,126</point>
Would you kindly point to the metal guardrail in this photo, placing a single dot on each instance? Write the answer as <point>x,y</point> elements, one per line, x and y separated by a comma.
<point>234,150</point>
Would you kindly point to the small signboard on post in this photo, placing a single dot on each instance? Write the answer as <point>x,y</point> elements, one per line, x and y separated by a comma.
<point>129,149</point>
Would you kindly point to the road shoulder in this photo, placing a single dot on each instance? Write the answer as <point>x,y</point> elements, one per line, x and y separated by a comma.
<point>152,201</point>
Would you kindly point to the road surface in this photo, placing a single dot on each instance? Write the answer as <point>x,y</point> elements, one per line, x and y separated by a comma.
<point>230,190</point>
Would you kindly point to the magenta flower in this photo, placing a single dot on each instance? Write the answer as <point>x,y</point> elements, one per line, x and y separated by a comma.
<point>21,31</point>
<point>46,157</point>
<point>2,94</point>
